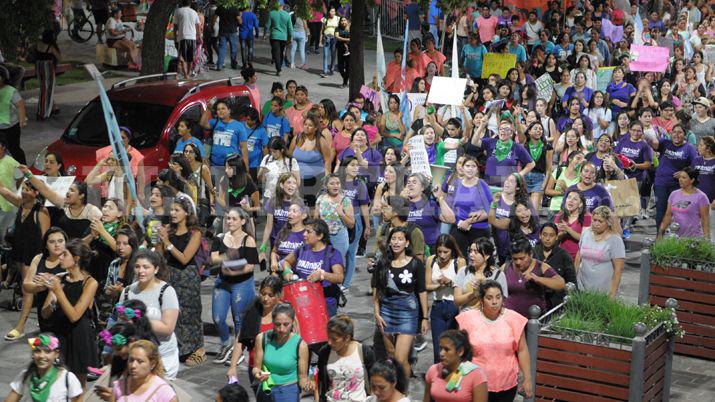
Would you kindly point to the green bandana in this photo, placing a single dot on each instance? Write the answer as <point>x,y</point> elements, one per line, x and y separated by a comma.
<point>236,192</point>
<point>535,150</point>
<point>111,228</point>
<point>40,387</point>
<point>502,149</point>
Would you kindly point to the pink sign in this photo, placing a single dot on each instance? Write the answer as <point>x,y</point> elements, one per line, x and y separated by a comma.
<point>649,58</point>
<point>370,96</point>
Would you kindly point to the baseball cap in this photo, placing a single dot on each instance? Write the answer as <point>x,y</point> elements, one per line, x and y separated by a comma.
<point>702,101</point>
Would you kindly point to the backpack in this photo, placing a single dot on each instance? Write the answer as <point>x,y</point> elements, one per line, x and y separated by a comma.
<point>202,258</point>
<point>125,294</point>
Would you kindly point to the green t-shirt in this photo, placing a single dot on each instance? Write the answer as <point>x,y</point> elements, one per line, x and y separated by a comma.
<point>557,200</point>
<point>281,360</point>
<point>279,25</point>
<point>7,177</point>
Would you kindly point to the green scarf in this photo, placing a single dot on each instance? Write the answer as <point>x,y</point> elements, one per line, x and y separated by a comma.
<point>502,149</point>
<point>535,150</point>
<point>236,192</point>
<point>40,387</point>
<point>111,228</point>
<point>454,380</point>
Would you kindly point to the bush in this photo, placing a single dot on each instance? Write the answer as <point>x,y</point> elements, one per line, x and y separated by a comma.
<point>673,251</point>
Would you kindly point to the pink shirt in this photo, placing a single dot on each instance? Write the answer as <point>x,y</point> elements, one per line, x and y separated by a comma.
<point>295,118</point>
<point>438,385</point>
<point>487,28</point>
<point>568,243</point>
<point>340,143</point>
<point>159,391</point>
<point>494,344</point>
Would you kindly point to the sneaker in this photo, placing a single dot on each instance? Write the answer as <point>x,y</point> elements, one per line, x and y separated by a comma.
<point>644,215</point>
<point>626,234</point>
<point>323,75</point>
<point>224,355</point>
<point>241,359</point>
<point>420,343</point>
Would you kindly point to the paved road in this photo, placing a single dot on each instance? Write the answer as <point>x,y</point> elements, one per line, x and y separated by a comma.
<point>693,379</point>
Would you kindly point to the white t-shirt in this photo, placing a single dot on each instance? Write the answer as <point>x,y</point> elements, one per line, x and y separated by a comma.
<point>116,25</point>
<point>274,169</point>
<point>373,398</point>
<point>347,375</point>
<point>65,386</point>
<point>185,21</point>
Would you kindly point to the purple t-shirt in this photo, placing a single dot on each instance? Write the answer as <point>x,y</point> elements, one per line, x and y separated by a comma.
<point>622,92</point>
<point>373,158</point>
<point>356,191</point>
<point>280,216</point>
<point>497,172</point>
<point>425,215</point>
<point>706,179</point>
<point>595,197</point>
<point>431,153</point>
<point>449,190</point>
<point>472,199</point>
<point>673,159</point>
<point>309,261</point>
<point>686,211</point>
<point>293,241</point>
<point>638,152</point>
<point>521,296</point>
<point>598,162</point>
<point>501,237</point>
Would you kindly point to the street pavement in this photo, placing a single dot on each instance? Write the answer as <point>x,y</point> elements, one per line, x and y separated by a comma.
<point>693,379</point>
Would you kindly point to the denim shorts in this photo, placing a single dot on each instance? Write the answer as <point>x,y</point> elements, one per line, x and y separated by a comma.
<point>534,182</point>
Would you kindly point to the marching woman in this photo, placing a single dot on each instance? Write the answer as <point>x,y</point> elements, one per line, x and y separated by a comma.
<point>101,238</point>
<point>179,244</point>
<point>472,199</point>
<point>398,292</point>
<point>201,175</point>
<point>311,149</point>
<point>162,305</point>
<point>688,206</point>
<point>498,339</point>
<point>356,191</point>
<point>237,187</point>
<point>44,379</point>
<point>234,288</point>
<point>523,223</point>
<point>504,156</point>
<point>601,256</point>
<point>440,274</point>
<point>528,279</point>
<point>388,382</point>
<point>286,193</point>
<point>542,153</point>
<point>290,236</point>
<point>317,260</point>
<point>563,178</point>
<point>343,364</point>
<point>281,359</point>
<point>274,165</point>
<point>482,266</point>
<point>31,223</point>
<point>336,210</point>
<point>144,376</point>
<point>500,211</point>
<point>426,212</point>
<point>53,246</point>
<point>120,273</point>
<point>455,378</point>
<point>393,181</point>
<point>72,296</point>
<point>369,159</point>
<point>572,220</point>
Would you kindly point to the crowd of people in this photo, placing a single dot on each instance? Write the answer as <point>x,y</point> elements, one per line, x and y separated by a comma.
<point>524,209</point>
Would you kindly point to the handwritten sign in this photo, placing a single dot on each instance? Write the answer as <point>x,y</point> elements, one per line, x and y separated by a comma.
<point>544,87</point>
<point>418,155</point>
<point>497,63</point>
<point>370,95</point>
<point>447,91</point>
<point>603,77</point>
<point>649,58</point>
<point>709,53</point>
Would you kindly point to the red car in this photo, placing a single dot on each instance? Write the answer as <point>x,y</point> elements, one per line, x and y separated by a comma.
<point>151,106</point>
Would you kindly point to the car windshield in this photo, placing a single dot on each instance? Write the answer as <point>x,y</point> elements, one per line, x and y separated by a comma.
<point>146,121</point>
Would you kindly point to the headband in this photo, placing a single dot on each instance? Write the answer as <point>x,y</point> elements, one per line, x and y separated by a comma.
<point>112,340</point>
<point>128,312</point>
<point>44,341</point>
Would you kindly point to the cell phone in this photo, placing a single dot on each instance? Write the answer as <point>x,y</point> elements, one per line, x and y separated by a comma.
<point>165,219</point>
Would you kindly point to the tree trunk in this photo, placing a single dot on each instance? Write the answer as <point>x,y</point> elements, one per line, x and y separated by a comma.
<point>357,54</point>
<point>154,33</point>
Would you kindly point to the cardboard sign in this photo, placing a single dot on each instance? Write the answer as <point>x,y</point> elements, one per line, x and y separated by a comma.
<point>447,91</point>
<point>603,78</point>
<point>497,63</point>
<point>625,196</point>
<point>370,95</point>
<point>649,58</point>
<point>418,155</point>
<point>544,87</point>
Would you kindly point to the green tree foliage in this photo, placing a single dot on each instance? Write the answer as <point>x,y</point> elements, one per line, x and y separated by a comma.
<point>21,23</point>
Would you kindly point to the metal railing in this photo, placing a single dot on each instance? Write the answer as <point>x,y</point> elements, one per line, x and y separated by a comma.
<point>392,19</point>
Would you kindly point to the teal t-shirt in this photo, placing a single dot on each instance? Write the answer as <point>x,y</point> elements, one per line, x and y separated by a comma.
<point>279,25</point>
<point>472,58</point>
<point>281,360</point>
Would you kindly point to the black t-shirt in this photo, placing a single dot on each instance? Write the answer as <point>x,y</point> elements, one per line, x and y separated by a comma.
<point>227,22</point>
<point>234,200</point>
<point>409,278</point>
<point>249,253</point>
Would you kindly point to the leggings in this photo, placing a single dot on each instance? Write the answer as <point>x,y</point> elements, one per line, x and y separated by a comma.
<point>314,28</point>
<point>278,48</point>
<point>344,66</point>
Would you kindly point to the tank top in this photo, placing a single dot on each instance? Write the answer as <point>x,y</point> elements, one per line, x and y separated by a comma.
<point>310,162</point>
<point>180,242</point>
<point>46,324</point>
<point>444,293</point>
<point>281,360</point>
<point>27,236</point>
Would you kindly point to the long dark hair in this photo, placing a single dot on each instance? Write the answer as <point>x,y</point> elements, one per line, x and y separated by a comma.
<point>192,222</point>
<point>287,228</point>
<point>486,248</point>
<point>52,230</point>
<point>392,372</point>
<point>448,241</point>
<point>399,178</point>
<point>564,211</point>
<point>240,177</point>
<point>77,248</point>
<point>515,224</point>
<point>59,160</point>
<point>383,268</point>
<point>134,244</point>
<point>155,259</point>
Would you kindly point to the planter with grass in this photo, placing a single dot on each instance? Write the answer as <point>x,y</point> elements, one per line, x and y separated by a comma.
<point>592,348</point>
<point>683,268</point>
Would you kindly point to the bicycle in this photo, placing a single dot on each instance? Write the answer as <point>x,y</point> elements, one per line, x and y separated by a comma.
<point>80,28</point>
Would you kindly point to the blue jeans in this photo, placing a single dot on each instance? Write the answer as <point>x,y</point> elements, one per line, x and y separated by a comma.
<point>661,201</point>
<point>339,241</point>
<point>329,51</point>
<point>352,251</point>
<point>441,318</point>
<point>232,39</point>
<point>298,43</point>
<point>246,51</point>
<point>239,297</point>
<point>433,30</point>
<point>280,393</point>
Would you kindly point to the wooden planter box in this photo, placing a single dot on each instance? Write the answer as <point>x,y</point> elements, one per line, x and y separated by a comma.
<point>574,368</point>
<point>695,291</point>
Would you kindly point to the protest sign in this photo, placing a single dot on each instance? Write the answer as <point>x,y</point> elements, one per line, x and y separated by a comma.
<point>611,31</point>
<point>447,91</point>
<point>418,155</point>
<point>371,96</point>
<point>649,58</point>
<point>497,63</point>
<point>544,87</point>
<point>603,78</point>
<point>709,53</point>
<point>414,99</point>
<point>60,185</point>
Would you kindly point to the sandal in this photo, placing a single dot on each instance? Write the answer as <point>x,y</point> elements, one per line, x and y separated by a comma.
<point>196,358</point>
<point>13,335</point>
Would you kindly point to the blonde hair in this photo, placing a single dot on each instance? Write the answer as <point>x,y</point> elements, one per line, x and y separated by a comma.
<point>152,353</point>
<point>604,213</point>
